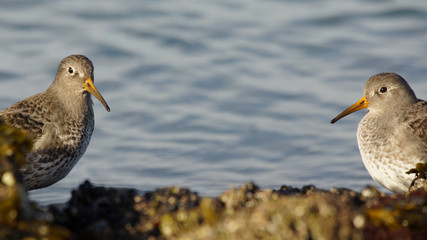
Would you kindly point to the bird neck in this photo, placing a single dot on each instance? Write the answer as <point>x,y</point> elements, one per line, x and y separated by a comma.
<point>74,104</point>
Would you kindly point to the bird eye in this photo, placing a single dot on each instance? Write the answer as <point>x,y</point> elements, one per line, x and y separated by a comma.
<point>70,70</point>
<point>383,89</point>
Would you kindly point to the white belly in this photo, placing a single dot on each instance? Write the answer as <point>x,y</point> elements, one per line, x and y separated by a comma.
<point>388,153</point>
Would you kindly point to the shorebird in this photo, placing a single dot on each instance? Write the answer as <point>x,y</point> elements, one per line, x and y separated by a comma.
<point>60,120</point>
<point>392,136</point>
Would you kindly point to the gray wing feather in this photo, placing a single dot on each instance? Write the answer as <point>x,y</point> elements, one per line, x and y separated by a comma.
<point>27,115</point>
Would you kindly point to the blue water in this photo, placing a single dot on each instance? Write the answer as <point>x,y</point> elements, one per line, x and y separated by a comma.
<point>211,94</point>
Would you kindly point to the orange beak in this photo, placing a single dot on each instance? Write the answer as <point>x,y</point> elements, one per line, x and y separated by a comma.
<point>92,89</point>
<point>361,104</point>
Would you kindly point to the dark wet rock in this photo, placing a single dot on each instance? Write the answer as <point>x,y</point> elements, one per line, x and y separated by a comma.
<point>285,189</point>
<point>246,212</point>
<point>96,212</point>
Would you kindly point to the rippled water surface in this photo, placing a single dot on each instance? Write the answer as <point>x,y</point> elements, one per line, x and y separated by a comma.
<point>210,94</point>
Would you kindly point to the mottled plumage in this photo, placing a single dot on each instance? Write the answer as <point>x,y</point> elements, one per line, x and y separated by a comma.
<point>392,136</point>
<point>61,121</point>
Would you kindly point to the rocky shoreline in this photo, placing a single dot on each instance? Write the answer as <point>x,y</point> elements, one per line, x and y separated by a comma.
<point>246,212</point>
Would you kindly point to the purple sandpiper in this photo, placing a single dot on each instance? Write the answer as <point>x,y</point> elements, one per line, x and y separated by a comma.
<point>392,136</point>
<point>60,120</point>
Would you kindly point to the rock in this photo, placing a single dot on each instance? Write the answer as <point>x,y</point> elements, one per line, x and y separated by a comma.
<point>271,214</point>
<point>95,212</point>
<point>243,213</point>
<point>247,212</point>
